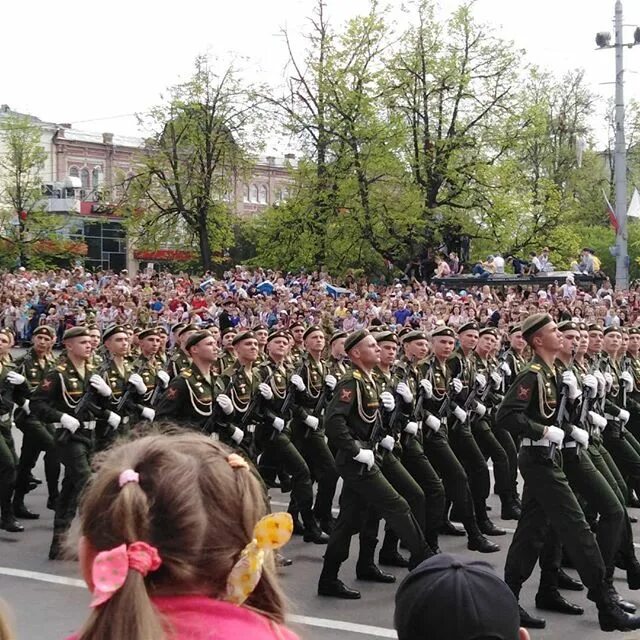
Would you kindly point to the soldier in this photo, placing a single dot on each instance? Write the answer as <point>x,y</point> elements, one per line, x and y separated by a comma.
<point>461,439</point>
<point>337,361</point>
<point>162,352</point>
<point>150,380</point>
<point>414,478</point>
<point>175,344</point>
<point>228,356</point>
<point>14,391</point>
<point>505,463</point>
<point>352,420</point>
<point>441,393</point>
<point>296,329</point>
<point>262,335</point>
<point>94,334</point>
<point>514,355</point>
<point>530,408</point>
<point>180,360</point>
<point>192,400</point>
<point>68,398</point>
<point>37,436</point>
<point>273,436</point>
<point>308,427</point>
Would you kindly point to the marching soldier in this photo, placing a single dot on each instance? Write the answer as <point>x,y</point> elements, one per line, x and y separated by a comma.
<point>514,355</point>
<point>352,419</point>
<point>228,356</point>
<point>68,398</point>
<point>37,437</point>
<point>162,352</point>
<point>14,391</point>
<point>262,335</point>
<point>530,408</point>
<point>337,361</point>
<point>180,360</point>
<point>94,334</point>
<point>296,329</point>
<point>150,379</point>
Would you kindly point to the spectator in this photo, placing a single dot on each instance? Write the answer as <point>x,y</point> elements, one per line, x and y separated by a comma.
<point>442,269</point>
<point>448,598</point>
<point>147,522</point>
<point>568,290</point>
<point>498,262</point>
<point>519,266</point>
<point>587,264</point>
<point>545,262</point>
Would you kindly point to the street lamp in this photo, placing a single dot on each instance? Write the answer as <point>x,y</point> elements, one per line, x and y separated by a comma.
<point>603,40</point>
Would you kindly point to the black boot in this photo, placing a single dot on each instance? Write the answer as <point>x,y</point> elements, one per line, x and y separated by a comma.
<point>392,558</point>
<point>552,600</point>
<point>611,616</point>
<point>52,500</point>
<point>510,509</point>
<point>565,581</point>
<point>476,541</point>
<point>20,510</point>
<point>312,531</point>
<point>55,550</point>
<point>8,521</point>
<point>633,574</point>
<point>449,529</point>
<point>285,482</point>
<point>372,573</point>
<point>337,589</point>
<point>530,622</point>
<point>327,523</point>
<point>432,540</point>
<point>488,528</point>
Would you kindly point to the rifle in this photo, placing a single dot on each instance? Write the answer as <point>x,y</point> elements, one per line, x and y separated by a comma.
<point>291,390</point>
<point>396,411</point>
<point>562,410</point>
<point>625,368</point>
<point>209,425</point>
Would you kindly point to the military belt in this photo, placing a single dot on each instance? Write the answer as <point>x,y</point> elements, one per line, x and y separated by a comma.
<point>89,425</point>
<point>528,442</point>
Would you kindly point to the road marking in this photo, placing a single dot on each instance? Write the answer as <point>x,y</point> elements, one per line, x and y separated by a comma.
<point>324,623</point>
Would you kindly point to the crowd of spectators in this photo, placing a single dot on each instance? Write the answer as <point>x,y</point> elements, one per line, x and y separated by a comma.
<point>245,297</point>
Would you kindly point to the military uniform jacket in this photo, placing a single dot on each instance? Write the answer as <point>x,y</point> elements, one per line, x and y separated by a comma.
<point>118,382</point>
<point>463,368</point>
<point>278,377</point>
<point>530,403</point>
<point>337,368</point>
<point>613,398</point>
<point>489,397</point>
<point>316,396</point>
<point>443,402</point>
<point>147,369</point>
<point>33,368</point>
<point>10,395</point>
<point>352,414</point>
<point>295,355</point>
<point>179,362</point>
<point>388,381</point>
<point>633,398</point>
<point>61,390</point>
<point>516,363</point>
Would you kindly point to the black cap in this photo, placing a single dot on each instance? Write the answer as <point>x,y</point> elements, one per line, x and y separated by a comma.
<point>568,325</point>
<point>44,329</point>
<point>145,333</point>
<point>295,324</point>
<point>312,329</point>
<point>196,337</point>
<point>634,331</point>
<point>188,327</point>
<point>612,329</point>
<point>111,330</point>
<point>594,326</point>
<point>229,330</point>
<point>443,330</point>
<point>245,335</point>
<point>386,336</point>
<point>177,327</point>
<point>489,331</point>
<point>514,328</point>
<point>260,327</point>
<point>76,332</point>
<point>472,325</point>
<point>354,339</point>
<point>278,333</point>
<point>534,323</point>
<point>412,336</point>
<point>447,598</point>
<point>337,336</point>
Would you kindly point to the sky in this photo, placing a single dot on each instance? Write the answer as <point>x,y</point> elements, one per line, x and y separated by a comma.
<point>95,66</point>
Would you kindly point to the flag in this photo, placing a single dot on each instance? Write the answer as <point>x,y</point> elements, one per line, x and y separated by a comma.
<point>611,213</point>
<point>634,205</point>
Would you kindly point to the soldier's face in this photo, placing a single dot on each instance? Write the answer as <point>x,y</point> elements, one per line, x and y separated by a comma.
<point>337,347</point>
<point>206,350</point>
<point>297,333</point>
<point>612,342</point>
<point>79,347</point>
<point>388,353</point>
<point>595,341</point>
<point>517,341</point>
<point>469,340</point>
<point>118,344</point>
<point>227,339</point>
<point>42,343</point>
<point>417,349</point>
<point>584,342</point>
<point>366,352</point>
<point>443,346</point>
<point>315,341</point>
<point>548,338</point>
<point>215,332</point>
<point>634,343</point>
<point>625,341</point>
<point>150,345</point>
<point>278,348</point>
<point>485,345</point>
<point>185,336</point>
<point>261,337</point>
<point>95,339</point>
<point>247,350</point>
<point>570,341</point>
<point>5,344</point>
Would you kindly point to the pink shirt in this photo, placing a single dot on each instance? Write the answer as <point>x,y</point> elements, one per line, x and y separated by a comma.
<point>202,618</point>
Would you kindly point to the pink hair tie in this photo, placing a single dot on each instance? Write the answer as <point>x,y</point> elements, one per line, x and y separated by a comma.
<point>128,475</point>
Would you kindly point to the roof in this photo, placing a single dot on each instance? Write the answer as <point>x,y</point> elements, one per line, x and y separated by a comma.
<point>510,279</point>
<point>96,138</point>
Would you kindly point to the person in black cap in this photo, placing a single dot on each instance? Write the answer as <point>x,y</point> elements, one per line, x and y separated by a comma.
<point>180,360</point>
<point>273,435</point>
<point>262,334</point>
<point>56,402</point>
<point>449,598</point>
<point>530,409</point>
<point>228,356</point>
<point>150,377</point>
<point>352,421</point>
<point>307,426</point>
<point>337,362</point>
<point>296,329</point>
<point>38,437</point>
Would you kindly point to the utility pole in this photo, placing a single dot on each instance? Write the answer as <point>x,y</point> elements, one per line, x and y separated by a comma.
<point>620,152</point>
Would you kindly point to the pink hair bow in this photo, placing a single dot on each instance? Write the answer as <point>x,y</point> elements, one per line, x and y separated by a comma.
<point>110,568</point>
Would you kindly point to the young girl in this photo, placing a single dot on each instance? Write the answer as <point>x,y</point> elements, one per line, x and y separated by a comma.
<point>174,544</point>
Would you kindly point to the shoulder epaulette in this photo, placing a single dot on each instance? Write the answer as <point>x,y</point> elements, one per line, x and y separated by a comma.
<point>62,367</point>
<point>356,374</point>
<point>535,367</point>
<point>187,373</point>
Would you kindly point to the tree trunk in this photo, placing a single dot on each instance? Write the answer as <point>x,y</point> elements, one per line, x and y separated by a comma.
<point>203,241</point>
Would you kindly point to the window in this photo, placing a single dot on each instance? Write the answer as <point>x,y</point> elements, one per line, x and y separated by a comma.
<point>86,182</point>
<point>263,194</point>
<point>96,177</point>
<point>74,173</point>
<point>253,193</point>
<point>247,195</point>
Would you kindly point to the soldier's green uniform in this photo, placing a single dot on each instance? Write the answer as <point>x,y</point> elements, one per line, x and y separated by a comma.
<point>530,409</point>
<point>178,363</point>
<point>38,437</point>
<point>350,420</point>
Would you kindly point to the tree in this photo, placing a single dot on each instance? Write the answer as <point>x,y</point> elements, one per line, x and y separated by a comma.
<point>185,186</point>
<point>24,221</point>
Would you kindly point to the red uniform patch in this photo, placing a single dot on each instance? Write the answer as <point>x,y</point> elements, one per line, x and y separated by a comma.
<point>172,393</point>
<point>345,395</point>
<point>524,392</point>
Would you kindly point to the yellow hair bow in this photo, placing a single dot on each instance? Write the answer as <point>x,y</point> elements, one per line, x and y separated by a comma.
<point>271,532</point>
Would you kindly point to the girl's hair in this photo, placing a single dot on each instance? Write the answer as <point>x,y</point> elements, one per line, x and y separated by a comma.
<point>191,505</point>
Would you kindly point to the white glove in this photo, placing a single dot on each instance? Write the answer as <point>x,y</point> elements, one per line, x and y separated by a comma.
<point>114,420</point>
<point>505,368</point>
<point>388,401</point>
<point>608,378</point>
<point>480,409</point>
<point>627,380</point>
<point>148,414</point>
<point>496,378</point>
<point>457,385</point>
<point>278,424</point>
<point>590,382</point>
<point>100,385</point>
<point>224,402</point>
<point>387,443</point>
<point>570,381</point>
<point>26,407</point>
<point>69,422</point>
<point>580,436</point>
<point>135,379</point>
<point>433,422</point>
<point>164,378</point>
<point>265,391</point>
<point>365,456</point>
<point>15,378</point>
<point>597,420</point>
<point>555,435</point>
<point>297,382</point>
<point>411,428</point>
<point>602,383</point>
<point>460,414</point>
<point>623,416</point>
<point>330,381</point>
<point>427,387</point>
<point>404,392</point>
<point>237,435</point>
<point>481,381</point>
<point>312,422</point>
